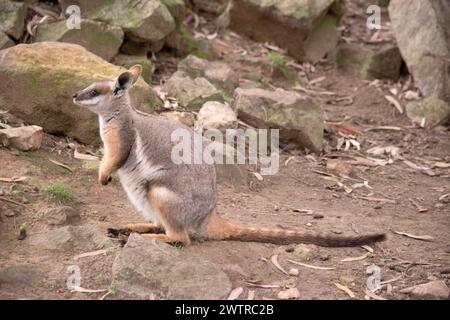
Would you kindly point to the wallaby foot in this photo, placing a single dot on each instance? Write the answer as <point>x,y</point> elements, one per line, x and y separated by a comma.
<point>176,241</point>
<point>135,227</point>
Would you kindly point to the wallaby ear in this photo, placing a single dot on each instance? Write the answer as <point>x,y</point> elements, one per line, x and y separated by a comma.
<point>127,79</point>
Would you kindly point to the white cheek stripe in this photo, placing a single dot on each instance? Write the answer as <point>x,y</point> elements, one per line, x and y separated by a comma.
<point>89,102</point>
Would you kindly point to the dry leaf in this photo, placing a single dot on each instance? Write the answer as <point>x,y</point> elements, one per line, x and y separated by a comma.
<point>409,235</point>
<point>274,260</point>
<point>13,179</point>
<point>251,295</point>
<point>83,290</point>
<point>346,290</point>
<point>395,103</point>
<point>311,266</point>
<point>356,258</point>
<point>372,295</point>
<point>90,254</point>
<point>235,294</point>
<point>83,156</point>
<point>258,176</point>
<point>62,165</point>
<point>368,248</point>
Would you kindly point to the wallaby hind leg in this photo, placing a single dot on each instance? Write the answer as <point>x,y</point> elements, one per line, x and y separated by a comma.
<point>145,227</point>
<point>175,232</point>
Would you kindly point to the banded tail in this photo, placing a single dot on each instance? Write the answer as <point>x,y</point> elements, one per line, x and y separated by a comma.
<point>217,228</point>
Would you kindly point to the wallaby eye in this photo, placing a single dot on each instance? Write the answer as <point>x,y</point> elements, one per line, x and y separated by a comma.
<point>93,93</point>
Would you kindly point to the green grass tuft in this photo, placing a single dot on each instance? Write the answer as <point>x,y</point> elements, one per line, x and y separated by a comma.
<point>61,194</point>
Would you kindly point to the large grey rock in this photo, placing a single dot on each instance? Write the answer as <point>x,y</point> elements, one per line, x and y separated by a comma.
<point>61,216</point>
<point>216,115</point>
<point>191,93</point>
<point>370,62</point>
<point>422,30</point>
<point>12,17</point>
<point>429,112</point>
<point>148,20</point>
<point>431,290</point>
<point>307,29</point>
<point>299,119</point>
<point>37,82</point>
<point>5,41</point>
<point>71,238</point>
<point>97,37</point>
<point>146,268</point>
<point>27,138</point>
<point>218,73</point>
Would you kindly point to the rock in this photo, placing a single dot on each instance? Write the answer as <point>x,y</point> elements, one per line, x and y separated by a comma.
<point>322,40</point>
<point>133,48</point>
<point>424,42</point>
<point>432,290</point>
<point>146,268</point>
<point>177,9</point>
<point>62,216</point>
<point>299,119</point>
<point>85,5</point>
<point>191,93</point>
<point>288,294</point>
<point>369,62</point>
<point>128,61</point>
<point>183,42</point>
<point>12,17</point>
<point>218,73</point>
<point>5,41</point>
<point>346,280</point>
<point>307,29</point>
<point>294,272</point>
<point>37,83</point>
<point>31,275</point>
<point>28,138</point>
<point>185,118</point>
<point>211,6</point>
<point>433,110</point>
<point>97,37</point>
<point>216,115</point>
<point>71,238</point>
<point>148,21</point>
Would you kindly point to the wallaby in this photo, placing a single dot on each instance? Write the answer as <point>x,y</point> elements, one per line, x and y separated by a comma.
<point>179,199</point>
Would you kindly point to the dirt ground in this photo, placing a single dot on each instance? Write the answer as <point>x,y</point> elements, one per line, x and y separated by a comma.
<point>300,197</point>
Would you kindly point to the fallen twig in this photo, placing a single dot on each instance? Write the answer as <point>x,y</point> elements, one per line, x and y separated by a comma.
<point>13,202</point>
<point>90,254</point>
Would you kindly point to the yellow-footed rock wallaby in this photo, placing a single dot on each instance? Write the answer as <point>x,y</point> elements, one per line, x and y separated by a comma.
<point>179,199</point>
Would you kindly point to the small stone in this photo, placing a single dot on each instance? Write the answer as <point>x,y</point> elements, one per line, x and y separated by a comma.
<point>294,272</point>
<point>339,167</point>
<point>289,294</point>
<point>28,138</point>
<point>318,216</point>
<point>431,290</point>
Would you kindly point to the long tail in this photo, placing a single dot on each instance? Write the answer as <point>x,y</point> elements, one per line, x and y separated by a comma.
<point>217,228</point>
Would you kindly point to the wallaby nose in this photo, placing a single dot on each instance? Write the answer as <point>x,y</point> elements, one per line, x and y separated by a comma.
<point>75,95</point>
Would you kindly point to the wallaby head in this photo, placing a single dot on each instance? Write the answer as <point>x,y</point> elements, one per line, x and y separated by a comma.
<point>103,97</point>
